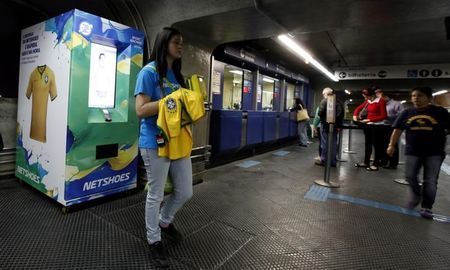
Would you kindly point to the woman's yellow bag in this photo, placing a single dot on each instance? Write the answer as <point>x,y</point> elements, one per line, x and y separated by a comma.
<point>302,114</point>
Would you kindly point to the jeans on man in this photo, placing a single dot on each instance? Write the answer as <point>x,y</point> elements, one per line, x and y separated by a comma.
<point>431,168</point>
<point>324,149</point>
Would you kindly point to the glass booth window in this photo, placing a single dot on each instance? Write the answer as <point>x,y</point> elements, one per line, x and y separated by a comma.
<point>232,88</point>
<point>290,97</point>
<point>267,93</point>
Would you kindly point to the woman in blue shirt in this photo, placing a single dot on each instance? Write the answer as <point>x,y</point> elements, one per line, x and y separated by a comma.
<point>161,76</point>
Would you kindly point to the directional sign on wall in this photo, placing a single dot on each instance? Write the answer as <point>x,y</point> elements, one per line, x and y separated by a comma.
<point>394,72</point>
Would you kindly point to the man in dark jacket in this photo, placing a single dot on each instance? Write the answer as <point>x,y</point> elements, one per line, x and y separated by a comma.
<point>324,127</point>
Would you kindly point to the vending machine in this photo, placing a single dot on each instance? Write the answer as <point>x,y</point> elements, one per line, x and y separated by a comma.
<point>77,130</point>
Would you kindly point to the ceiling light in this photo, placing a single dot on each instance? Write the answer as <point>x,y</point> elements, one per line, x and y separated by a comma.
<point>235,71</point>
<point>347,92</point>
<point>440,92</point>
<point>268,80</point>
<point>403,101</point>
<point>301,52</point>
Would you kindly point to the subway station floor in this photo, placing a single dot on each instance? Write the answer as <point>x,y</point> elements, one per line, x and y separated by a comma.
<point>264,212</point>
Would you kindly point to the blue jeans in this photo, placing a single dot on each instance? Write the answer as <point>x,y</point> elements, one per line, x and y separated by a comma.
<point>302,129</point>
<point>157,170</point>
<point>431,168</point>
<point>323,146</point>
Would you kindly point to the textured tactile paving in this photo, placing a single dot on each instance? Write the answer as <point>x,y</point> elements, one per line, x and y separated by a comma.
<point>239,218</point>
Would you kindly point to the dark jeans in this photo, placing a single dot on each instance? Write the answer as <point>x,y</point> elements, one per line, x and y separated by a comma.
<point>324,149</point>
<point>373,138</point>
<point>431,167</point>
<point>385,159</point>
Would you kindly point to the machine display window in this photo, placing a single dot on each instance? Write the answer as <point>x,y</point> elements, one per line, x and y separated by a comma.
<point>102,76</point>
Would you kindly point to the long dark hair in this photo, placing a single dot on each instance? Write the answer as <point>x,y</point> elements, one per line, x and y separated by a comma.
<point>159,53</point>
<point>299,101</point>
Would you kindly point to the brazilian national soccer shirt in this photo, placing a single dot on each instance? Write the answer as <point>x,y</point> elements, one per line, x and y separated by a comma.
<point>41,84</point>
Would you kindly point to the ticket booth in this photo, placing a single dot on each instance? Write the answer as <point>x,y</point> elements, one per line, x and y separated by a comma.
<point>77,131</point>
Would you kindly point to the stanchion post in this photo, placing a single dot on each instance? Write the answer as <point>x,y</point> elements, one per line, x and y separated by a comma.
<point>331,119</point>
<point>339,158</point>
<point>329,153</point>
<point>349,145</point>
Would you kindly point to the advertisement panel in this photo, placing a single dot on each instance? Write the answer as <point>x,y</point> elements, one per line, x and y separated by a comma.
<point>77,127</point>
<point>42,109</point>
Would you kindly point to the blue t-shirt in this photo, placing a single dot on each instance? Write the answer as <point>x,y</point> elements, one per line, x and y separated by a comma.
<point>425,130</point>
<point>147,84</point>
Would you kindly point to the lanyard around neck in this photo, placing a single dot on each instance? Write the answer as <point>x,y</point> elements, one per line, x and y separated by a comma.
<point>169,84</point>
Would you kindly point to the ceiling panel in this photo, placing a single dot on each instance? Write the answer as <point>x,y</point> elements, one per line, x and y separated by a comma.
<point>338,33</point>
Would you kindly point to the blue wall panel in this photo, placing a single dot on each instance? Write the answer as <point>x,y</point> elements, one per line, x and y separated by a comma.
<point>283,131</point>
<point>226,129</point>
<point>270,126</point>
<point>293,124</point>
<point>255,126</point>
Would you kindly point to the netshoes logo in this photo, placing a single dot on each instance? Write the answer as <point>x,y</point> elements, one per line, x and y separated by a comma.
<point>30,175</point>
<point>106,181</point>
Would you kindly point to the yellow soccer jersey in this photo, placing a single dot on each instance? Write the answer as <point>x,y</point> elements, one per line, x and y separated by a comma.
<point>192,105</point>
<point>178,137</point>
<point>41,84</point>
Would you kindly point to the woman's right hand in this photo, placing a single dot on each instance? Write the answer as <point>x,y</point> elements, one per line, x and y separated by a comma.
<point>355,118</point>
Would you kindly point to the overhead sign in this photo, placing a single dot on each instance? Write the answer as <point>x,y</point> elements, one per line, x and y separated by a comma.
<point>394,72</point>
<point>259,60</point>
<point>245,55</point>
<point>300,77</point>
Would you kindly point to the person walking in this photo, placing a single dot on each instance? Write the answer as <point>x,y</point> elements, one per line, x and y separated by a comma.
<point>160,77</point>
<point>425,126</point>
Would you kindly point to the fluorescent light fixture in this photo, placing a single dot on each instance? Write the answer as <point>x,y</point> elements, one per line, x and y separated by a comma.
<point>347,92</point>
<point>295,47</point>
<point>440,92</point>
<point>268,80</point>
<point>403,101</point>
<point>235,71</point>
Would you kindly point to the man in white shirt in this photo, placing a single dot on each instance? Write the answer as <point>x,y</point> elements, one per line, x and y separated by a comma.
<point>393,109</point>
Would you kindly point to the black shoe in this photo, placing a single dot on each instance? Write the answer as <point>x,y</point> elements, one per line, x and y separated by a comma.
<point>426,213</point>
<point>319,163</point>
<point>172,233</point>
<point>158,253</point>
<point>302,145</point>
<point>361,165</point>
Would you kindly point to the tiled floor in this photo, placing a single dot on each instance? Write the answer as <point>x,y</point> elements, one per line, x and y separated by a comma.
<point>260,215</point>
